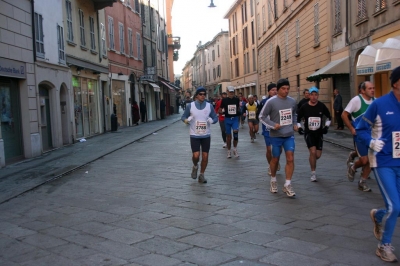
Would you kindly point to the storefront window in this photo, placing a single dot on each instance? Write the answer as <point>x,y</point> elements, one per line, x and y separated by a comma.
<point>78,107</point>
<point>118,101</point>
<point>86,113</point>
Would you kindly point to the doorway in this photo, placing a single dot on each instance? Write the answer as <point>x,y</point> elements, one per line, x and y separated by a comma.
<point>45,118</point>
<point>10,118</point>
<point>64,114</point>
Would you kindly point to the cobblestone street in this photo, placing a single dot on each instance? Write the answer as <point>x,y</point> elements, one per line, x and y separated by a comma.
<point>139,206</point>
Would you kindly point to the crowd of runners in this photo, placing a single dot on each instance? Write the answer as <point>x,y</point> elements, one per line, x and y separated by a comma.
<point>374,124</point>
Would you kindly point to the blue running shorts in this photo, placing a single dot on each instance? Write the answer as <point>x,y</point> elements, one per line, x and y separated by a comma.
<point>361,149</point>
<point>231,123</point>
<point>277,143</point>
<point>267,138</point>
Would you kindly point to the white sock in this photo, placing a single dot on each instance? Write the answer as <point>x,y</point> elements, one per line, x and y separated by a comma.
<point>312,172</point>
<point>195,166</point>
<point>273,179</point>
<point>287,183</point>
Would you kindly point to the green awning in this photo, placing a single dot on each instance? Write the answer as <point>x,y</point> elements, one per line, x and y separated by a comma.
<point>216,91</point>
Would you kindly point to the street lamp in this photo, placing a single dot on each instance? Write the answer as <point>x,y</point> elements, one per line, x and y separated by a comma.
<point>212,4</point>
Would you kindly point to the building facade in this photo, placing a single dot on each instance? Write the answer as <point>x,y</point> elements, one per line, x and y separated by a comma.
<point>243,46</point>
<point>217,69</point>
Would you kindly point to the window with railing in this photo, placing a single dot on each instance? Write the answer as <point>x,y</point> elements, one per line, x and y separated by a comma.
<point>121,38</point>
<point>111,33</point>
<point>316,24</point>
<point>338,24</point>
<point>92,36</point>
<point>60,41</point>
<point>297,37</point>
<point>39,35</point>
<point>103,39</point>
<point>286,45</point>
<point>70,33</point>
<point>130,42</point>
<point>361,10</point>
<point>379,5</point>
<point>269,13</point>
<point>82,27</point>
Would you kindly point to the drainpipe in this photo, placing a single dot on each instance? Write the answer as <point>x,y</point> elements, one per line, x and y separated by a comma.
<point>33,30</point>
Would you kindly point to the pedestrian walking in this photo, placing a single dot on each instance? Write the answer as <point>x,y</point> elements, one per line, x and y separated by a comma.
<point>221,118</point>
<point>314,113</point>
<point>200,115</point>
<point>279,115</point>
<point>356,109</point>
<point>231,107</point>
<point>143,110</point>
<point>338,108</point>
<point>242,102</point>
<point>379,128</point>
<point>135,113</point>
<point>162,108</point>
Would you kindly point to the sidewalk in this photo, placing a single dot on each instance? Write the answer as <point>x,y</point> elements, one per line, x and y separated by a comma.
<point>28,174</point>
<point>25,175</point>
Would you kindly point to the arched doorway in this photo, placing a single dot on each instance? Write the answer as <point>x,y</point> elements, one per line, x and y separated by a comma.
<point>64,114</point>
<point>278,73</point>
<point>45,117</point>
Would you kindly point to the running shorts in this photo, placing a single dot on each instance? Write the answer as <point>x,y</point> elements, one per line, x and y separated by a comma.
<point>231,123</point>
<point>314,140</point>
<point>277,143</point>
<point>254,121</point>
<point>204,143</point>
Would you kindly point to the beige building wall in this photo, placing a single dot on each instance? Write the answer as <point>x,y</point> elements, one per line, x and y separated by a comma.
<point>243,47</point>
<point>288,46</point>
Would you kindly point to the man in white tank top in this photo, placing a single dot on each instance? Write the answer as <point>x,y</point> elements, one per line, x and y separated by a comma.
<point>199,115</point>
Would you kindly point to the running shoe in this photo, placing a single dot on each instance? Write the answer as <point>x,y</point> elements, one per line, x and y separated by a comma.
<point>224,146</point>
<point>377,226</point>
<point>279,167</point>
<point>269,170</point>
<point>385,252</point>
<point>274,187</point>
<point>363,186</point>
<point>194,171</point>
<point>350,160</point>
<point>313,178</point>
<point>235,153</point>
<point>202,179</point>
<point>229,155</point>
<point>289,191</point>
<point>252,140</point>
<point>350,173</point>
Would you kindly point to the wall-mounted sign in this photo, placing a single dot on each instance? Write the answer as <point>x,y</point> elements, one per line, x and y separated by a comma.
<point>150,70</point>
<point>147,78</point>
<point>11,68</point>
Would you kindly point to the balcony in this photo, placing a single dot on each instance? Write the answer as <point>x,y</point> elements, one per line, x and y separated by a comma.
<point>100,4</point>
<point>176,43</point>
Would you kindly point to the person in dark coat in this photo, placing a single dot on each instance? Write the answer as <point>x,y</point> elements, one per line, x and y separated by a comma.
<point>143,110</point>
<point>338,108</point>
<point>135,113</point>
<point>162,109</point>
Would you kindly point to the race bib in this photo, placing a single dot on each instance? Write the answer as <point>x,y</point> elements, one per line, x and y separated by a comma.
<point>396,144</point>
<point>201,127</point>
<point>285,117</point>
<point>314,123</point>
<point>232,109</point>
<point>252,115</point>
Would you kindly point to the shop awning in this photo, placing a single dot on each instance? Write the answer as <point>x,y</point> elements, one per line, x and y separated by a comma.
<point>388,56</point>
<point>336,67</point>
<point>216,91</point>
<point>156,88</point>
<point>100,4</point>
<point>366,60</point>
<point>168,86</point>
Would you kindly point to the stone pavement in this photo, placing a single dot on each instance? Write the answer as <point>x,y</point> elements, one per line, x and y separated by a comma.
<point>139,206</point>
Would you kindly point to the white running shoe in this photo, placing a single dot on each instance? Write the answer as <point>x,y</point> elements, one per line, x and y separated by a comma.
<point>274,187</point>
<point>229,155</point>
<point>252,140</point>
<point>235,153</point>
<point>313,178</point>
<point>289,191</point>
<point>224,146</point>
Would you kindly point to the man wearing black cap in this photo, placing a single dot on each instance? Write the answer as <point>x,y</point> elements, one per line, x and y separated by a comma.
<point>199,115</point>
<point>279,115</point>
<point>379,129</point>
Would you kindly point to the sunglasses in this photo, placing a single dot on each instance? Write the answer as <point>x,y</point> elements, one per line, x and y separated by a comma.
<point>202,94</point>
